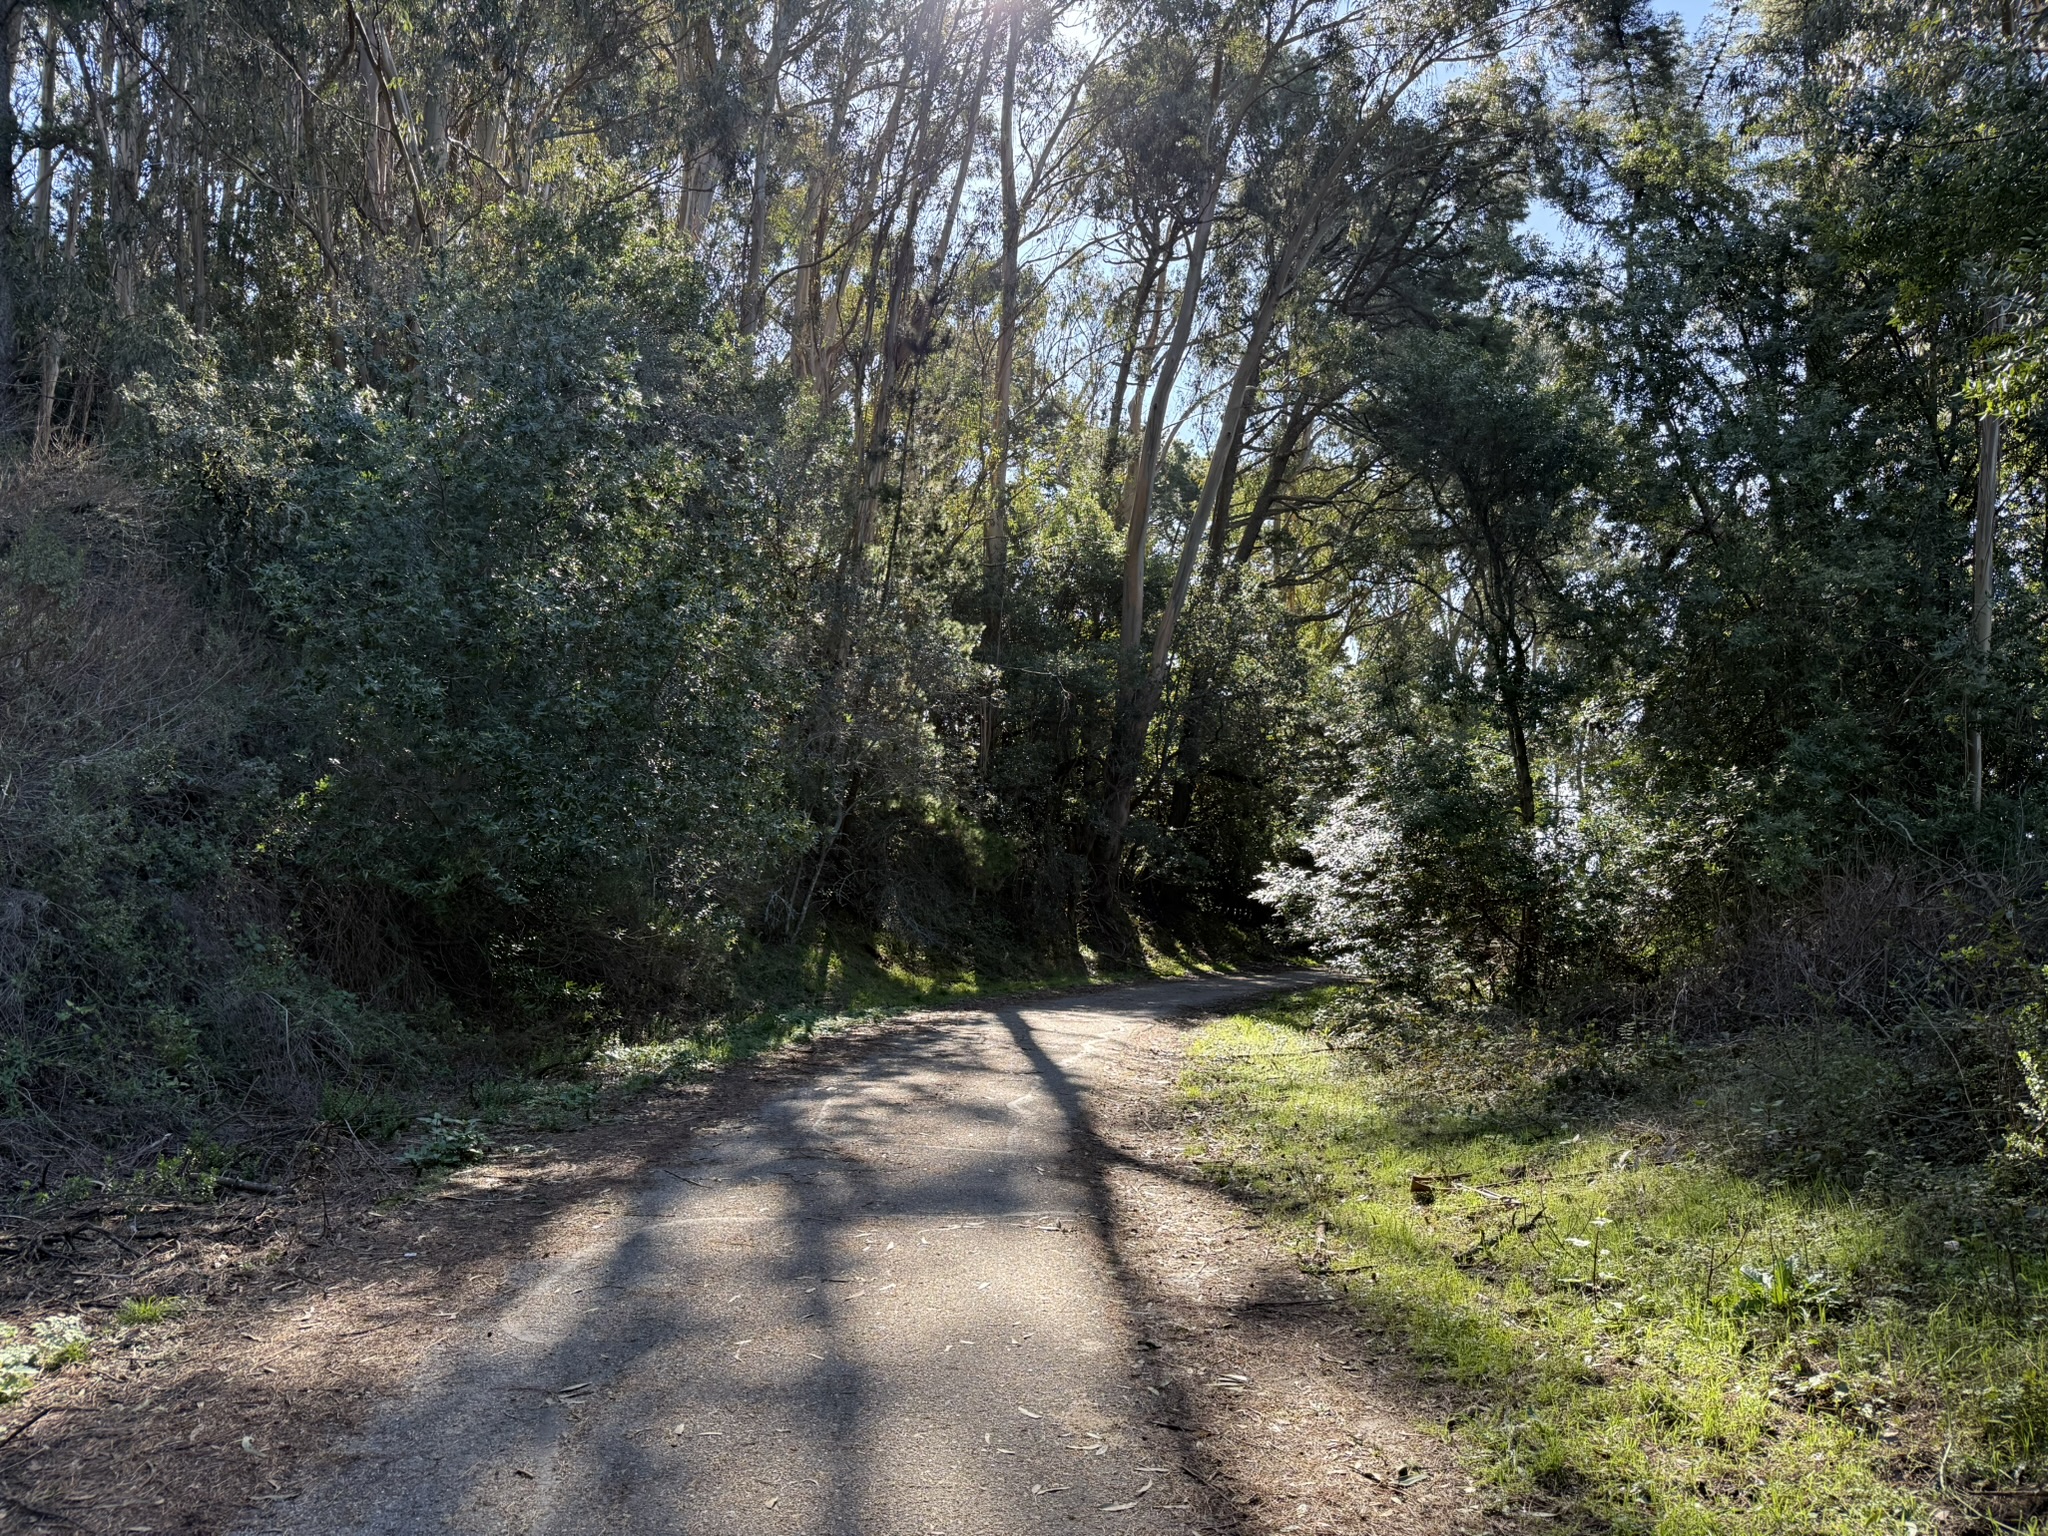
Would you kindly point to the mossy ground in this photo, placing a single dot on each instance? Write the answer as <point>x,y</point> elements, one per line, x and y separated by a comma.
<point>1651,1329</point>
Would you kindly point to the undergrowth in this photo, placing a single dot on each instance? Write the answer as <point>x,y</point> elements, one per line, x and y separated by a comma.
<point>1660,1319</point>
<point>192,990</point>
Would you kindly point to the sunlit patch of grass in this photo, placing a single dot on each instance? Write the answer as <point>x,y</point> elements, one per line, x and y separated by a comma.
<point>1648,1339</point>
<point>840,979</point>
<point>142,1311</point>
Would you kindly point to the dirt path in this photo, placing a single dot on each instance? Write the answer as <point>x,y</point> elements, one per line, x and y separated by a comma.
<point>946,1277</point>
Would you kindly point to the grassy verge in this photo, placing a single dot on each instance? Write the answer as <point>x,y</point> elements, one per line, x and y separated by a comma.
<point>1654,1326</point>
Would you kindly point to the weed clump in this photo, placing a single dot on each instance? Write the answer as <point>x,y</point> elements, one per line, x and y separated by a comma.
<point>143,1311</point>
<point>447,1142</point>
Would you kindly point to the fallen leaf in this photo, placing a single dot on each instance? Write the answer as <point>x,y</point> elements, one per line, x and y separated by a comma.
<point>1131,1503</point>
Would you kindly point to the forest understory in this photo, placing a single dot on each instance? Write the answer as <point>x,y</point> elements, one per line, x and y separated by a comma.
<point>547,552</point>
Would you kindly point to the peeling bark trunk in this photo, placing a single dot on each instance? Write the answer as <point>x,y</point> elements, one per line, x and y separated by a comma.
<point>46,392</point>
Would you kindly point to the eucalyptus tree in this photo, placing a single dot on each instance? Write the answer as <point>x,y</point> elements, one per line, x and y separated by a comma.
<point>1285,123</point>
<point>265,169</point>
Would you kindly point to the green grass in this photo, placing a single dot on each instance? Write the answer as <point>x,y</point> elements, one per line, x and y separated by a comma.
<point>846,972</point>
<point>795,993</point>
<point>1650,1330</point>
<point>141,1311</point>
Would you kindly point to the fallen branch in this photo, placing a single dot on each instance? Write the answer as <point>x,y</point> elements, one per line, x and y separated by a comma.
<point>15,1433</point>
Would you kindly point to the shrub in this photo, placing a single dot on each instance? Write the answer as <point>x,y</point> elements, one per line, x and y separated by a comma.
<point>518,574</point>
<point>1424,879</point>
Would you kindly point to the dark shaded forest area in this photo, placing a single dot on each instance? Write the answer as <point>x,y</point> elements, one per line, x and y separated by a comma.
<point>540,523</point>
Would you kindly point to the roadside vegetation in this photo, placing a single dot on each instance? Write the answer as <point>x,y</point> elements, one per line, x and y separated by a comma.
<point>546,548</point>
<point>1711,1281</point>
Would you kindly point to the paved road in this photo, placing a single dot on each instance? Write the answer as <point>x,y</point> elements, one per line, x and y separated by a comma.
<point>882,1305</point>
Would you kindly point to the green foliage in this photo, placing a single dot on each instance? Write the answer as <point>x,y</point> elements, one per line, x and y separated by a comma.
<point>1784,1287</point>
<point>2012,1418</point>
<point>1423,874</point>
<point>447,1142</point>
<point>515,575</point>
<point>366,1112</point>
<point>142,1311</point>
<point>543,1106</point>
<point>144,985</point>
<point>49,1346</point>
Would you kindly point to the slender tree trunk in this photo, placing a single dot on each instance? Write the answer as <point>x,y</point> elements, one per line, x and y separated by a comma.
<point>1136,693</point>
<point>1127,747</point>
<point>84,381</point>
<point>996,536</point>
<point>696,61</point>
<point>1217,484</point>
<point>1145,473</point>
<point>46,393</point>
<point>1518,748</point>
<point>811,354</point>
<point>46,162</point>
<point>1500,605</point>
<point>397,112</point>
<point>10,45</point>
<point>897,340</point>
<point>753,298</point>
<point>1300,413</point>
<point>1140,700</point>
<point>1113,443</point>
<point>202,245</point>
<point>1983,553</point>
